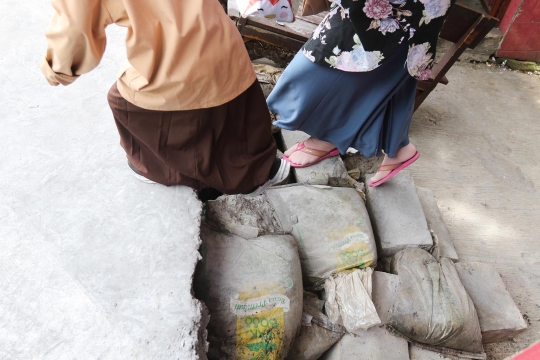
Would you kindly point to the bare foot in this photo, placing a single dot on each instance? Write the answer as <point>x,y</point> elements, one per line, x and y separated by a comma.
<point>302,158</point>
<point>404,154</point>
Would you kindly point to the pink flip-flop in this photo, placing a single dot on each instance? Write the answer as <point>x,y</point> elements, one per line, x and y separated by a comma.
<point>321,154</point>
<point>395,168</point>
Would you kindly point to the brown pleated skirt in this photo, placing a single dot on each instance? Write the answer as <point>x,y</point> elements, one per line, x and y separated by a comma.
<point>229,147</point>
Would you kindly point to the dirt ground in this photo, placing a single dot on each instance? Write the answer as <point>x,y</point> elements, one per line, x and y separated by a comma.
<point>479,140</point>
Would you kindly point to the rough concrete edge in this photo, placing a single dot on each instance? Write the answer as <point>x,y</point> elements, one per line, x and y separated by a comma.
<point>200,346</point>
<point>374,227</point>
<point>202,333</point>
<point>436,250</point>
<point>201,324</point>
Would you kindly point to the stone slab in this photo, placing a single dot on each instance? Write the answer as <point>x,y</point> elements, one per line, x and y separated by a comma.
<point>94,263</point>
<point>320,173</point>
<point>374,344</point>
<point>500,318</point>
<point>397,216</point>
<point>385,287</point>
<point>443,246</point>
<point>417,353</point>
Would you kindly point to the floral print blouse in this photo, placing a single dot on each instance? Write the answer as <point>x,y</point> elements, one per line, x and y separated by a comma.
<point>359,35</point>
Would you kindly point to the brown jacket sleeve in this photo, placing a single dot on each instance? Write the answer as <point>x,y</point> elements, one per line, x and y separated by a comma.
<point>76,40</point>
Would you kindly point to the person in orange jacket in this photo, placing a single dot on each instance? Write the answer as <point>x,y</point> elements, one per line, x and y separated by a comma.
<point>187,104</point>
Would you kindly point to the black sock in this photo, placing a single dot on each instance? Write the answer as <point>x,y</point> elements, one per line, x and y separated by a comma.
<point>209,194</point>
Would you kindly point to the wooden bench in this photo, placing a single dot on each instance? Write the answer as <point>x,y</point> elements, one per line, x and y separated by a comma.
<point>465,28</point>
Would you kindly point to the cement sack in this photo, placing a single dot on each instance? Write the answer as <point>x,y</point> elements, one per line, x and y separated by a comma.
<point>431,304</point>
<point>247,217</point>
<point>253,290</point>
<point>317,334</point>
<point>331,227</point>
<point>348,300</point>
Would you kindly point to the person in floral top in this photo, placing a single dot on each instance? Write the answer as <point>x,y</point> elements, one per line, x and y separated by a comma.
<point>354,82</point>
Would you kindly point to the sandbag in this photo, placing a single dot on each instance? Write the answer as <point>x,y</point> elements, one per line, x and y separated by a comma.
<point>253,290</point>
<point>348,300</point>
<point>247,217</point>
<point>317,334</point>
<point>331,227</point>
<point>431,305</point>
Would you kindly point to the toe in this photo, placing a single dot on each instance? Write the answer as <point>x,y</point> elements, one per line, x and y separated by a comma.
<point>379,175</point>
<point>292,149</point>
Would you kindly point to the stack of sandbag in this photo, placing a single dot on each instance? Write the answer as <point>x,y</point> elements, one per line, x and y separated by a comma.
<point>252,287</point>
<point>431,305</point>
<point>317,334</point>
<point>331,227</point>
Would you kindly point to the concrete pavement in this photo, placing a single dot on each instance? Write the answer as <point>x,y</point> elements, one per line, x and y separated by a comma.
<point>479,142</point>
<point>94,264</point>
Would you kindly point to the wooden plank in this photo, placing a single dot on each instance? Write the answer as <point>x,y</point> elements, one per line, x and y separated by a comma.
<point>449,58</point>
<point>254,33</point>
<point>499,8</point>
<point>299,29</point>
<point>460,19</point>
<point>486,5</point>
<point>314,19</point>
<point>481,33</point>
<point>424,85</point>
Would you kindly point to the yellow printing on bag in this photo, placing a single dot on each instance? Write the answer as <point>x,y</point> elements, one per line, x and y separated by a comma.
<point>260,324</point>
<point>351,247</point>
<point>357,255</point>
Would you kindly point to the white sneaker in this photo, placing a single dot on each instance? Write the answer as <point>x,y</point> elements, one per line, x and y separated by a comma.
<point>281,175</point>
<point>138,175</point>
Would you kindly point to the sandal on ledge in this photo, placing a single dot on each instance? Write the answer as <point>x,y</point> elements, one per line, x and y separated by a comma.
<point>321,154</point>
<point>395,168</point>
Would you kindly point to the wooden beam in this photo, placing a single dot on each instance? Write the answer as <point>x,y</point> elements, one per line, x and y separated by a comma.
<point>254,33</point>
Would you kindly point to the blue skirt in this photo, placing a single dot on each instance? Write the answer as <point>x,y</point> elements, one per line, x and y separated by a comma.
<point>369,111</point>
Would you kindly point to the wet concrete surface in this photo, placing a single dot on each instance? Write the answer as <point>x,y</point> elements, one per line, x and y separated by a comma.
<point>94,263</point>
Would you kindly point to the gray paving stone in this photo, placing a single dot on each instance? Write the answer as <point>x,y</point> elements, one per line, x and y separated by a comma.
<point>384,292</point>
<point>374,344</point>
<point>417,353</point>
<point>397,216</point>
<point>499,317</point>
<point>320,173</point>
<point>443,246</point>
